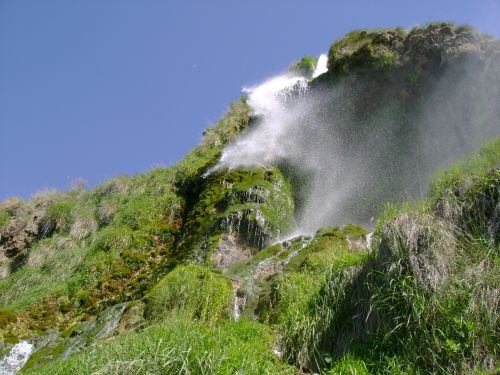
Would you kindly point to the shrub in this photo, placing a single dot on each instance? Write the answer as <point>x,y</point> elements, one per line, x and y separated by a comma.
<point>57,217</point>
<point>305,67</point>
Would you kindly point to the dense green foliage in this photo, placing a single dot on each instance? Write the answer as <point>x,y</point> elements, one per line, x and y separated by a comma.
<point>191,292</point>
<point>179,348</point>
<point>305,67</point>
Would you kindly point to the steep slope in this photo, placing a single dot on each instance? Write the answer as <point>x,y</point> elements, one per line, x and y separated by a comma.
<point>201,268</point>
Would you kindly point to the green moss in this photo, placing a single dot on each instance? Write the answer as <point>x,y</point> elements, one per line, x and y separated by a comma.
<point>267,253</point>
<point>354,231</point>
<point>326,247</point>
<point>255,204</point>
<point>363,49</point>
<point>6,318</point>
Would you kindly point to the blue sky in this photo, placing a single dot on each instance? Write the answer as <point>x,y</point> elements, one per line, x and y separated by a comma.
<point>94,89</point>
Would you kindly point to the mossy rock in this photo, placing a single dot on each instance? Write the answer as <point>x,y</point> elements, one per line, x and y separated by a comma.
<point>365,49</point>
<point>382,50</point>
<point>328,245</point>
<point>241,210</point>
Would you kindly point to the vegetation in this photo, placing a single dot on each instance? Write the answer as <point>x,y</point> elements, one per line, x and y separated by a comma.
<point>255,204</point>
<point>191,292</point>
<point>363,49</point>
<point>72,254</point>
<point>305,67</point>
<point>179,348</point>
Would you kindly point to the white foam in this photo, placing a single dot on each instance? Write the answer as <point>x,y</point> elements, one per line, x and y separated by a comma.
<point>321,65</point>
<point>16,359</point>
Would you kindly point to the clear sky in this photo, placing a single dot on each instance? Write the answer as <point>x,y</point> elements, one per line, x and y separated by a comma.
<point>94,89</point>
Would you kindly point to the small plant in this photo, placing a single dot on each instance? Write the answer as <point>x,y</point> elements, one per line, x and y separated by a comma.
<point>57,217</point>
<point>305,66</point>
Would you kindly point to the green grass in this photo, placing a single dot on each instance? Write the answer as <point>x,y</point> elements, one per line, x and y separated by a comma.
<point>193,292</point>
<point>310,301</point>
<point>434,283</point>
<point>179,348</point>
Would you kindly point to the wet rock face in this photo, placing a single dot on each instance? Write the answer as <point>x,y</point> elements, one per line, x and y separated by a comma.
<point>230,250</point>
<point>238,213</point>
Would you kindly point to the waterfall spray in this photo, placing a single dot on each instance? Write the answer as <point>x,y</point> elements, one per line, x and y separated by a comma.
<point>321,66</point>
<point>351,146</point>
<point>264,144</point>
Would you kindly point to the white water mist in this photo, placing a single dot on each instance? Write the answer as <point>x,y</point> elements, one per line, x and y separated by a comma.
<point>16,359</point>
<point>265,143</point>
<point>350,159</point>
<point>321,65</point>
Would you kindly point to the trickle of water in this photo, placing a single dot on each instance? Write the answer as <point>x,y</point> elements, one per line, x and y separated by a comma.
<point>16,359</point>
<point>273,265</point>
<point>369,239</point>
<point>305,242</point>
<point>102,326</point>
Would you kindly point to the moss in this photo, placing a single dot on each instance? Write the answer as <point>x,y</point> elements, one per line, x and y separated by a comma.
<point>6,318</point>
<point>354,231</point>
<point>256,204</point>
<point>50,352</point>
<point>266,253</point>
<point>11,339</point>
<point>328,244</point>
<point>363,49</point>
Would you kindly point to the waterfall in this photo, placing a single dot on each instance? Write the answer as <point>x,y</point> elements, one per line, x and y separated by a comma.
<point>321,66</point>
<point>16,359</point>
<point>105,323</point>
<point>264,144</point>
